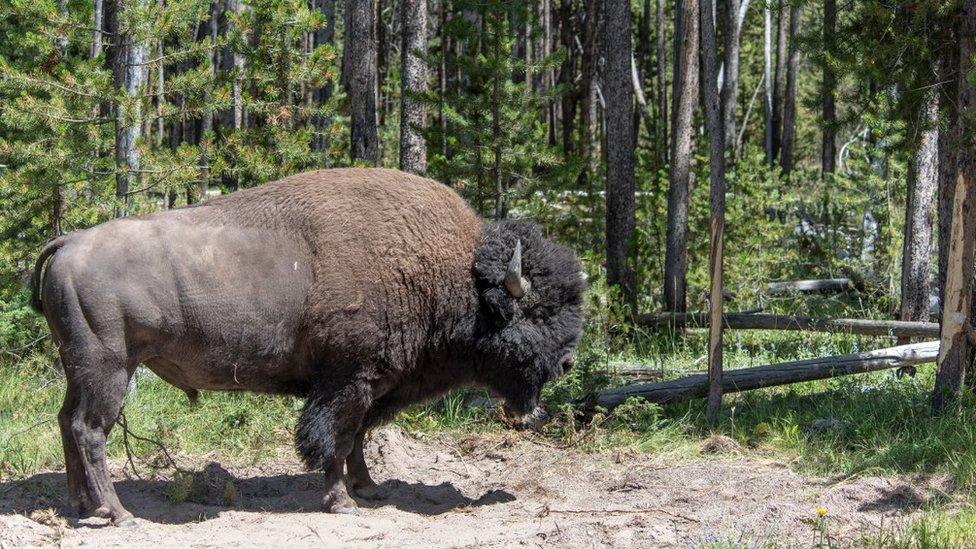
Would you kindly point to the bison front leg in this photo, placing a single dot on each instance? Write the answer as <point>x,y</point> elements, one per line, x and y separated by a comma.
<point>325,437</point>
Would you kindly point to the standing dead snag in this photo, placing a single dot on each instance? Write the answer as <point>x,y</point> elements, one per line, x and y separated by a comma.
<point>958,293</point>
<point>713,121</point>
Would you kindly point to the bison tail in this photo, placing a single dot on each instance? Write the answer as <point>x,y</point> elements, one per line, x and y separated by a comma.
<point>314,434</point>
<point>49,249</point>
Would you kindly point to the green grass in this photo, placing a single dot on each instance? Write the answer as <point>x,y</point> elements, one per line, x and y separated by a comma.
<point>867,424</point>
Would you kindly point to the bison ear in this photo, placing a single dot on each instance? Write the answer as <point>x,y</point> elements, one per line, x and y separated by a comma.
<point>499,307</point>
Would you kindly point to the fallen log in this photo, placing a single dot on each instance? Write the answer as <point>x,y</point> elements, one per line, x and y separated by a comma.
<point>828,285</point>
<point>772,375</point>
<point>760,321</point>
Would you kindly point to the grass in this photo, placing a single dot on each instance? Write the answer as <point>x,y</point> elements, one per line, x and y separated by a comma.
<point>867,424</point>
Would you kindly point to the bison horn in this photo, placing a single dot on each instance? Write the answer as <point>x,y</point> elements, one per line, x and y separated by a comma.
<point>515,283</point>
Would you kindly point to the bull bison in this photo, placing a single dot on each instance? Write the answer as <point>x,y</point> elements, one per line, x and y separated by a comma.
<point>361,290</point>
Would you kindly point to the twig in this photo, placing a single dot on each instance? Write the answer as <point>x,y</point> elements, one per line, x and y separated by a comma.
<point>620,512</point>
<point>121,421</point>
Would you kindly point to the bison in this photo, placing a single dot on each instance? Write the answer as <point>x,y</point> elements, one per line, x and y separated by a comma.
<point>361,290</point>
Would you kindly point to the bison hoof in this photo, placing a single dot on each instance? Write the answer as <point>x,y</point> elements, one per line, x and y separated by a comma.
<point>340,504</point>
<point>367,491</point>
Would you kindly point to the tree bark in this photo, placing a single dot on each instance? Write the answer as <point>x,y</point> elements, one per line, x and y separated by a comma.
<point>828,148</point>
<point>789,101</point>
<point>618,53</point>
<point>413,72</point>
<point>588,111</point>
<point>957,300</point>
<point>716,139</point>
<point>779,79</point>
<point>920,213</point>
<point>324,36</point>
<point>207,122</point>
<point>98,27</point>
<point>360,70</point>
<point>128,58</point>
<point>662,94</point>
<point>760,321</point>
<point>566,76</point>
<point>745,379</point>
<point>948,69</point>
<point>730,79</point>
<point>768,92</point>
<point>685,98</point>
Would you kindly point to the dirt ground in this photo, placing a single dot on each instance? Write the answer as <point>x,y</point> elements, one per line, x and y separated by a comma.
<point>485,491</point>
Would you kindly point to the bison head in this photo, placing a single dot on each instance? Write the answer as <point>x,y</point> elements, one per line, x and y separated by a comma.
<point>530,313</point>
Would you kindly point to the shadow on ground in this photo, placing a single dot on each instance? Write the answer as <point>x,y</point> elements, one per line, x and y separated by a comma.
<point>213,490</point>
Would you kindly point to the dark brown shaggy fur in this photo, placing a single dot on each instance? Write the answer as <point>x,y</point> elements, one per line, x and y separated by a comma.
<point>362,290</point>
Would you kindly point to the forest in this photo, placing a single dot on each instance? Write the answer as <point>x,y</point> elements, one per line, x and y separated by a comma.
<point>788,183</point>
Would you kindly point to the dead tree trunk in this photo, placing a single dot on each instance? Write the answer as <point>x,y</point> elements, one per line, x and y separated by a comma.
<point>322,36</point>
<point>360,70</point>
<point>958,297</point>
<point>128,57</point>
<point>620,216</point>
<point>730,78</point>
<point>768,83</point>
<point>785,373</point>
<point>779,79</point>
<point>685,98</point>
<point>828,148</point>
<point>716,138</point>
<point>919,214</point>
<point>413,72</point>
<point>789,101</point>
<point>759,321</point>
<point>662,94</point>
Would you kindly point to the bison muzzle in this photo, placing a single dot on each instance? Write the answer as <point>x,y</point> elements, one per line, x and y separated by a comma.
<point>361,290</point>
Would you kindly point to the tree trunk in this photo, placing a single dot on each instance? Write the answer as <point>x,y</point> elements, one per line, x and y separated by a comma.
<point>620,142</point>
<point>320,96</point>
<point>413,72</point>
<point>730,79</point>
<point>360,70</point>
<point>789,101</point>
<point>773,375</point>
<point>685,98</point>
<point>207,122</point>
<point>716,139</point>
<point>919,214</point>
<point>98,27</point>
<point>779,79</point>
<point>662,94</point>
<point>567,76</point>
<point>128,59</point>
<point>588,114</point>
<point>828,148</point>
<point>768,84</point>
<point>957,301</point>
<point>948,68</point>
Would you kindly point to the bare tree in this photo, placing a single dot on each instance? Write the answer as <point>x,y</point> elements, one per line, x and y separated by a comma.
<point>768,92</point>
<point>128,61</point>
<point>828,148</point>
<point>662,94</point>
<point>730,72</point>
<point>360,72</point>
<point>920,213</point>
<point>779,78</point>
<point>716,158</point>
<point>789,101</point>
<point>684,99</point>
<point>413,148</point>
<point>620,142</point>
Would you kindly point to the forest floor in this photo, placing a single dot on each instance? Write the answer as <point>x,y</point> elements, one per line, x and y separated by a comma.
<point>495,489</point>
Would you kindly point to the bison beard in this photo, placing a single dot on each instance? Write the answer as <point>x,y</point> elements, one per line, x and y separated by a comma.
<point>364,291</point>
